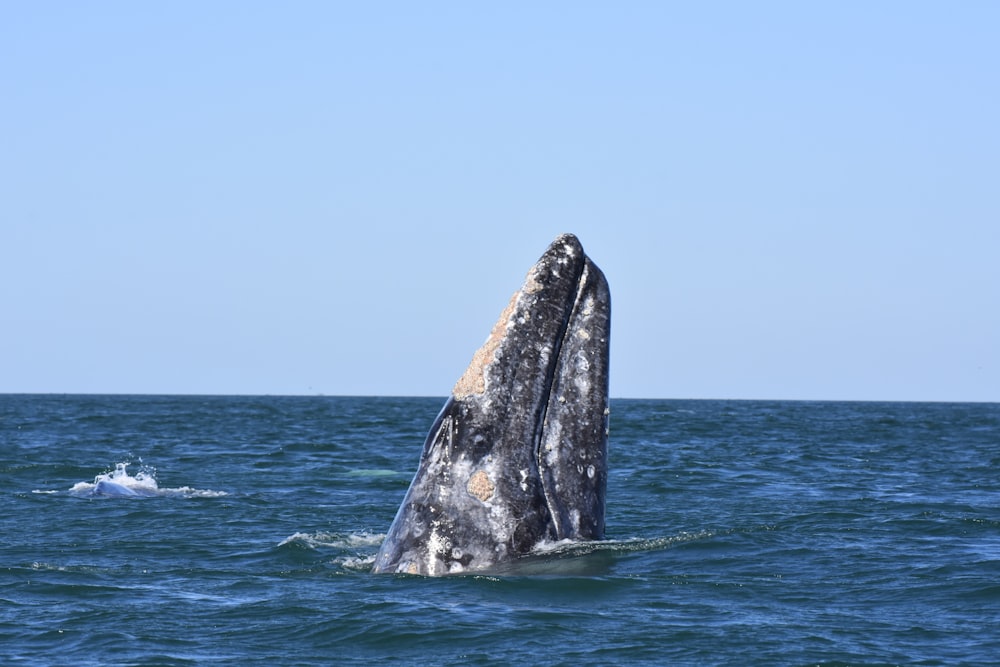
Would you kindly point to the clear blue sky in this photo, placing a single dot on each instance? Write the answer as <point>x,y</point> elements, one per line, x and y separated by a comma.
<point>796,200</point>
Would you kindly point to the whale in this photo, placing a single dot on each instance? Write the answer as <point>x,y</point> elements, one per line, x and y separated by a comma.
<point>106,487</point>
<point>517,457</point>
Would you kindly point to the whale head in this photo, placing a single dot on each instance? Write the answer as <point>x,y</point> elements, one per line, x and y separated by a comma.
<point>518,454</point>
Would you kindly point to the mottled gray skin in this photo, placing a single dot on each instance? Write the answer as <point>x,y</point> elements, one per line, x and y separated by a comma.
<point>518,454</point>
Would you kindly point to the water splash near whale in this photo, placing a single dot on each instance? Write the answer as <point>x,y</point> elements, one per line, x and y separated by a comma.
<point>119,483</point>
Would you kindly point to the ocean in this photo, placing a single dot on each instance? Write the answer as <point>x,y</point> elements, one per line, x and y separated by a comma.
<point>738,532</point>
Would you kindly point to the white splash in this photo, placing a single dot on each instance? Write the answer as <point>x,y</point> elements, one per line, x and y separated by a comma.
<point>120,484</point>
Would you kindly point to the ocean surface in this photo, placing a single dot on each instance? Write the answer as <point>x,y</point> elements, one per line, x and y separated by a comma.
<point>197,530</point>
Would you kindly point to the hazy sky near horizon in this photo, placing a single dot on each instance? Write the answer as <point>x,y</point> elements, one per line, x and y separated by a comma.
<point>794,200</point>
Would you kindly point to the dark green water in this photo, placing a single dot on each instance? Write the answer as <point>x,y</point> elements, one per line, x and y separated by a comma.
<point>738,533</point>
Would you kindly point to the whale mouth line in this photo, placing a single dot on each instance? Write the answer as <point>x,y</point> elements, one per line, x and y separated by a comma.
<point>550,387</point>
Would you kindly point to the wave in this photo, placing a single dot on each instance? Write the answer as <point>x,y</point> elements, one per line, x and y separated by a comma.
<point>595,558</point>
<point>563,558</point>
<point>359,547</point>
<point>630,545</point>
<point>372,472</point>
<point>334,540</point>
<point>355,552</point>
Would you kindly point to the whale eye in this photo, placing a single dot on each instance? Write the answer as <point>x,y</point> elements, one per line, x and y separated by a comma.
<point>479,486</point>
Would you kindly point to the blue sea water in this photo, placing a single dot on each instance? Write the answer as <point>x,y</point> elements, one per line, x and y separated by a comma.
<point>240,531</point>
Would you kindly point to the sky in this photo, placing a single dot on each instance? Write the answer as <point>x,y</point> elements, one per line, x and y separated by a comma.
<point>790,200</point>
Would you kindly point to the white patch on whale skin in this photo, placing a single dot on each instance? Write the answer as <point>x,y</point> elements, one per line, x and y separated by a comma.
<point>438,543</point>
<point>553,436</point>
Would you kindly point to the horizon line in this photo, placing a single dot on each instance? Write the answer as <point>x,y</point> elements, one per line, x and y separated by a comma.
<point>446,396</point>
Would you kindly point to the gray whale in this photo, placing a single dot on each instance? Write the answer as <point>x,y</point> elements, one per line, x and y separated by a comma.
<point>518,454</point>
